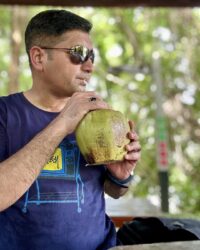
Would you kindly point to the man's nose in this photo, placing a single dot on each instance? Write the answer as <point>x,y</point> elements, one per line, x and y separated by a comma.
<point>88,66</point>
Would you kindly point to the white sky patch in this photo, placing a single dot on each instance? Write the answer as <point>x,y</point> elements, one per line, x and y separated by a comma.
<point>192,150</point>
<point>143,113</point>
<point>150,130</point>
<point>169,47</point>
<point>115,79</point>
<point>111,21</point>
<point>163,33</point>
<point>183,65</point>
<point>132,86</point>
<point>187,96</point>
<point>114,51</point>
<point>180,83</point>
<point>139,77</point>
<point>97,58</point>
<point>151,140</point>
<point>134,107</point>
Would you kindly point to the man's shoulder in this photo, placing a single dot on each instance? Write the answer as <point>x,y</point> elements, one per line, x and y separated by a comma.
<point>11,99</point>
<point>7,103</point>
<point>11,104</point>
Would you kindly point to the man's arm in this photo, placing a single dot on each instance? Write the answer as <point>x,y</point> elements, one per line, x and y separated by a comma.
<point>19,171</point>
<point>114,190</point>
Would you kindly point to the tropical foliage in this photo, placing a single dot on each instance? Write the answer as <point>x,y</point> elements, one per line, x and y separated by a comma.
<point>126,43</point>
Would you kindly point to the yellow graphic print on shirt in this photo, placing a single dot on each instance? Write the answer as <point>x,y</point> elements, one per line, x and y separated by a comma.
<point>55,163</point>
<point>64,164</point>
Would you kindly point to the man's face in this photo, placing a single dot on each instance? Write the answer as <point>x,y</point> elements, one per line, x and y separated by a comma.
<point>61,75</point>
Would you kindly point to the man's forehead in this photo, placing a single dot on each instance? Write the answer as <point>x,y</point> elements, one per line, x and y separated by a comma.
<point>75,36</point>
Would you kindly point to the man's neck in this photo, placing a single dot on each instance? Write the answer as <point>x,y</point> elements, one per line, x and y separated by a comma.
<point>45,101</point>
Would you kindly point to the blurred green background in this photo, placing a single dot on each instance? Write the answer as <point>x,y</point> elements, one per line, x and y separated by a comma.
<point>126,40</point>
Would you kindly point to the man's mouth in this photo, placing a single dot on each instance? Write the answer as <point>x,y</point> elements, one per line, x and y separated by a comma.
<point>84,81</point>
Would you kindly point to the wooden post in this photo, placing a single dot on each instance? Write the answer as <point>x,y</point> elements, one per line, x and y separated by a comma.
<point>161,134</point>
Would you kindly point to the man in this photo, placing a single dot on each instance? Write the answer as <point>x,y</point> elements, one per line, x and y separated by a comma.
<point>49,199</point>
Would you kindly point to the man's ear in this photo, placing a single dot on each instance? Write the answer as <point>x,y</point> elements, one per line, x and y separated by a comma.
<point>37,57</point>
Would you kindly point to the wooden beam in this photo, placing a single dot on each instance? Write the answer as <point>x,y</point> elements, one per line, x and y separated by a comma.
<point>106,3</point>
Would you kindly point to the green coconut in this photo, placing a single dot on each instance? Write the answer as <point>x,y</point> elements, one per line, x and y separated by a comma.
<point>102,135</point>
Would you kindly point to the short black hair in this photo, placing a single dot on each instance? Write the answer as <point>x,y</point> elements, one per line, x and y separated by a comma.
<point>51,24</point>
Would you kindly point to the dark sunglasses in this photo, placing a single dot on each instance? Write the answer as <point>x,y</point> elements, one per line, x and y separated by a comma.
<point>78,54</point>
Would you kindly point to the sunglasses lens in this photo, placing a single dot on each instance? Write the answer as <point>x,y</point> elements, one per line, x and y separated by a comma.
<point>91,56</point>
<point>76,59</point>
<point>80,54</point>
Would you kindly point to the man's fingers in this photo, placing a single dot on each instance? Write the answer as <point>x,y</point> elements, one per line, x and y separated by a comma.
<point>131,125</point>
<point>134,146</point>
<point>133,156</point>
<point>133,136</point>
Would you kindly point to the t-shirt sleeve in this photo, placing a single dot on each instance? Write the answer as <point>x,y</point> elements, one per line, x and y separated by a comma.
<point>3,136</point>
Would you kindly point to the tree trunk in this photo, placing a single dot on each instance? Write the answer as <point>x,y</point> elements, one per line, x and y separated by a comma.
<point>17,21</point>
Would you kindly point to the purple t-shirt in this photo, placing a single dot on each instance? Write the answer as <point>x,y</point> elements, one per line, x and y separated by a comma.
<point>64,209</point>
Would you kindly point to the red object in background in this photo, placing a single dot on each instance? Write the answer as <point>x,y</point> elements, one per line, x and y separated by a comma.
<point>163,154</point>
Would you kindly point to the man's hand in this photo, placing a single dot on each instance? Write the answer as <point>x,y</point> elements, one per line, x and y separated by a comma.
<point>122,170</point>
<point>78,105</point>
